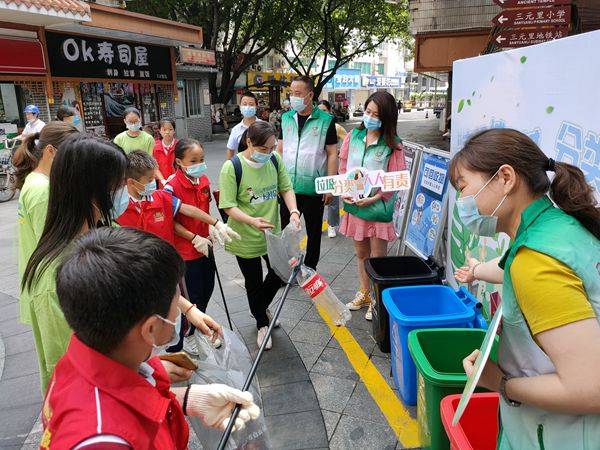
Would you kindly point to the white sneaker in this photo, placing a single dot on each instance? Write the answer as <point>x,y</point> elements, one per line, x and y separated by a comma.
<point>369,313</point>
<point>331,232</point>
<point>361,299</point>
<point>262,332</point>
<point>270,316</point>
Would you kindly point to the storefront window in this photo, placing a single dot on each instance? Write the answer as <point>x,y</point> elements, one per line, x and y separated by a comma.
<point>9,105</point>
<point>193,97</point>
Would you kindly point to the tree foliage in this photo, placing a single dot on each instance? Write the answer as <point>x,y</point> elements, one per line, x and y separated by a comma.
<point>241,32</point>
<point>340,31</point>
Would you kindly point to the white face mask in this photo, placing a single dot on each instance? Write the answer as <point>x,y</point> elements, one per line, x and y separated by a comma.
<point>156,349</point>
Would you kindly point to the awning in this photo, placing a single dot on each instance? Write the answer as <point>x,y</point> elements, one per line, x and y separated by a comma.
<point>44,12</point>
<point>23,56</point>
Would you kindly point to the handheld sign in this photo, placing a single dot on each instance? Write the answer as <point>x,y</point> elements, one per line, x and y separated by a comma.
<point>359,182</point>
<point>484,354</point>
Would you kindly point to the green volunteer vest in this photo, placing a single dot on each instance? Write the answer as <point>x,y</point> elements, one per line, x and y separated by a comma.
<point>551,231</point>
<point>304,156</point>
<point>374,157</point>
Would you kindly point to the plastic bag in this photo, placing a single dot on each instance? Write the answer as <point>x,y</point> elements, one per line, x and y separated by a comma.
<point>284,249</point>
<point>228,365</point>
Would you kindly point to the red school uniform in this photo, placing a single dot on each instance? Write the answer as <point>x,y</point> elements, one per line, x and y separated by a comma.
<point>92,395</point>
<point>154,216</point>
<point>195,194</point>
<point>165,157</point>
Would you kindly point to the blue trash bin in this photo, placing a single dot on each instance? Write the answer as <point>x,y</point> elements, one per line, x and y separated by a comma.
<point>418,307</point>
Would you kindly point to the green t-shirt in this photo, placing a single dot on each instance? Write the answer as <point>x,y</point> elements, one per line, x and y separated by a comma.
<point>33,206</point>
<point>142,141</point>
<point>257,197</point>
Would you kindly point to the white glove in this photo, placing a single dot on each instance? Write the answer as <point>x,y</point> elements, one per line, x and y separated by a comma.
<point>201,244</point>
<point>222,232</point>
<point>213,404</point>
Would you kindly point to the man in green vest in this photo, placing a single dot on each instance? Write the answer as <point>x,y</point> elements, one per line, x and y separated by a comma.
<point>308,146</point>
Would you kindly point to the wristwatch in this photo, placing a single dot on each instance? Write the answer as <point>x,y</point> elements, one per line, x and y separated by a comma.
<point>295,211</point>
<point>503,381</point>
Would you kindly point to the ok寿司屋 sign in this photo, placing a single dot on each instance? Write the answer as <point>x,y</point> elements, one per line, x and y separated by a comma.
<point>89,57</point>
<point>543,91</point>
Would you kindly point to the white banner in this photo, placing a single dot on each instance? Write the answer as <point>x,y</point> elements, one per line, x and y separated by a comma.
<point>548,91</point>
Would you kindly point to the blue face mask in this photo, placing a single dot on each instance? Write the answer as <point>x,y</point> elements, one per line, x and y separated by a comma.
<point>248,111</point>
<point>371,123</point>
<point>120,202</point>
<point>297,104</point>
<point>133,126</point>
<point>76,120</point>
<point>477,223</point>
<point>261,158</point>
<point>149,189</point>
<point>196,170</point>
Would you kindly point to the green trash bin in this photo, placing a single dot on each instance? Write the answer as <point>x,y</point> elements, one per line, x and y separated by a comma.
<point>438,355</point>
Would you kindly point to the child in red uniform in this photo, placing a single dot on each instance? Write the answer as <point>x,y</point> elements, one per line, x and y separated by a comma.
<point>192,187</point>
<point>108,391</point>
<point>164,150</point>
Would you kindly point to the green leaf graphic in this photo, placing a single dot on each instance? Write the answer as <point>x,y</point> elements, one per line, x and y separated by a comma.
<point>469,102</point>
<point>473,94</point>
<point>550,109</point>
<point>461,105</point>
<point>523,59</point>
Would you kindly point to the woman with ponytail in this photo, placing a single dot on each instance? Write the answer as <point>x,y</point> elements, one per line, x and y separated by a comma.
<point>33,161</point>
<point>549,360</point>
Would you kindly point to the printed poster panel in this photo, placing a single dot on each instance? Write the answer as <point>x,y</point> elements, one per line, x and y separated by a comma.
<point>410,153</point>
<point>530,89</point>
<point>425,223</point>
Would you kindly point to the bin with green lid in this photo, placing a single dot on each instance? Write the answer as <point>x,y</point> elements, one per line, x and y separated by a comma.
<point>438,355</point>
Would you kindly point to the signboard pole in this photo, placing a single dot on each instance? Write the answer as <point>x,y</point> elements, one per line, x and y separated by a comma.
<point>413,175</point>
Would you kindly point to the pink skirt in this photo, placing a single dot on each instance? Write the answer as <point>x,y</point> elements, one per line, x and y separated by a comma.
<point>359,229</point>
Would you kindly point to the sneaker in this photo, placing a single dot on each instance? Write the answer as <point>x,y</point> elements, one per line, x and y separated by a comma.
<point>369,313</point>
<point>262,332</point>
<point>270,316</point>
<point>361,299</point>
<point>331,232</point>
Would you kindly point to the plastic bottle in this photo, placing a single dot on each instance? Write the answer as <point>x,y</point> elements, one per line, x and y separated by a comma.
<point>319,291</point>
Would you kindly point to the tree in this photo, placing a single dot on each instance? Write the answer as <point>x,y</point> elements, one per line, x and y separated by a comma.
<point>241,32</point>
<point>338,31</point>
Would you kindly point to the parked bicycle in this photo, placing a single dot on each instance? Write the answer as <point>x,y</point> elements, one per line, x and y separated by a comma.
<point>7,170</point>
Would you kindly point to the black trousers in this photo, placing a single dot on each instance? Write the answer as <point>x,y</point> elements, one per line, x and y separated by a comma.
<point>200,283</point>
<point>311,207</point>
<point>260,291</point>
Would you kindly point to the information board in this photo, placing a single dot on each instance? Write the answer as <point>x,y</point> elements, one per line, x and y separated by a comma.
<point>427,213</point>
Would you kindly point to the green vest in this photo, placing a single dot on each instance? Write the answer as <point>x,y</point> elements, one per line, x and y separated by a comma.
<point>374,157</point>
<point>551,231</point>
<point>304,156</point>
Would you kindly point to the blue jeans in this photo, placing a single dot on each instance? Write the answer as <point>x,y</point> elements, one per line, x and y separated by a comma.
<point>333,212</point>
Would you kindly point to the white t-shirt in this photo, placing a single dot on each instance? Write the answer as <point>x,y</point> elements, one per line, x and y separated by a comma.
<point>236,133</point>
<point>34,127</point>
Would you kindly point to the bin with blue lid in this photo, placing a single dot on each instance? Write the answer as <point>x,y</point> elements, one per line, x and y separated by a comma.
<point>419,307</point>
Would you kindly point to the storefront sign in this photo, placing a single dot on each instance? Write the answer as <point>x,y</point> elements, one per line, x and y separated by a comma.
<point>376,81</point>
<point>426,219</point>
<point>90,57</point>
<point>358,183</point>
<point>21,56</point>
<point>258,79</point>
<point>345,79</point>
<point>528,36</point>
<point>528,17</point>
<point>197,56</point>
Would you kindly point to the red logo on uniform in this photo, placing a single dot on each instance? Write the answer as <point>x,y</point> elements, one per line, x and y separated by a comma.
<point>159,217</point>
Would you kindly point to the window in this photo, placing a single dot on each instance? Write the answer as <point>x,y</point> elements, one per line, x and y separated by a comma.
<point>381,69</point>
<point>364,67</point>
<point>193,97</point>
<point>9,106</point>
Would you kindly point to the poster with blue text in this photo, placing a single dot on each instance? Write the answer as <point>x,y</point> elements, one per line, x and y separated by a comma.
<point>425,222</point>
<point>545,91</point>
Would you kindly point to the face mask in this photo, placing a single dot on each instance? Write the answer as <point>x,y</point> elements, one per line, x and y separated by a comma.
<point>477,223</point>
<point>133,126</point>
<point>156,349</point>
<point>196,170</point>
<point>76,120</point>
<point>297,103</point>
<point>120,202</point>
<point>371,123</point>
<point>248,111</point>
<point>261,158</point>
<point>149,189</point>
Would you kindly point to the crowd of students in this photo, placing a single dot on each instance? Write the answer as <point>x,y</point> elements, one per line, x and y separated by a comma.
<point>104,300</point>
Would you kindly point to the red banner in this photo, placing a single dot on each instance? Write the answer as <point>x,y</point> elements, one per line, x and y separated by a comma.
<point>514,38</point>
<point>534,17</point>
<point>24,56</point>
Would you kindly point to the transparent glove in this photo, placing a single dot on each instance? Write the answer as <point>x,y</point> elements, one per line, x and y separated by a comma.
<point>222,233</point>
<point>213,404</point>
<point>201,244</point>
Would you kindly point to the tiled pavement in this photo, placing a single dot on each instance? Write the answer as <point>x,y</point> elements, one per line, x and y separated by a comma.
<point>312,396</point>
